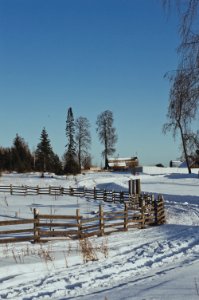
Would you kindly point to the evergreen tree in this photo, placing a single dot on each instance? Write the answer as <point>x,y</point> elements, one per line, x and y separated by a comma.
<point>44,153</point>
<point>71,164</point>
<point>56,165</point>
<point>21,156</point>
<point>5,159</point>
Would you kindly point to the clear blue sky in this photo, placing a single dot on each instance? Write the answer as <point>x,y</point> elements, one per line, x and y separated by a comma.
<point>91,55</point>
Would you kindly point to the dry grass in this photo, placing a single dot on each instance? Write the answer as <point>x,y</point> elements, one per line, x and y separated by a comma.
<point>87,250</point>
<point>67,254</point>
<point>19,255</point>
<point>45,254</point>
<point>103,248</point>
<point>90,249</point>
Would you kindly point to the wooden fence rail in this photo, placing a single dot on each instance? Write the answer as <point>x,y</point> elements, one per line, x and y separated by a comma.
<point>44,227</point>
<point>106,195</point>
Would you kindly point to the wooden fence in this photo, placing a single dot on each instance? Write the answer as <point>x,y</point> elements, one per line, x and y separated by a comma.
<point>142,212</point>
<point>106,195</point>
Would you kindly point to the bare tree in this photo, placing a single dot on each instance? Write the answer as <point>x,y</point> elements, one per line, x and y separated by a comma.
<point>107,134</point>
<point>189,34</point>
<point>83,138</point>
<point>184,93</point>
<point>182,108</point>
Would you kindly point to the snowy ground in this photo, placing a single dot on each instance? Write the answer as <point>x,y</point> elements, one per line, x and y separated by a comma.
<point>154,263</point>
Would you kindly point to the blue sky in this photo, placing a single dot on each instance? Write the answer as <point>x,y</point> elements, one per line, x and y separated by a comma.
<point>91,55</point>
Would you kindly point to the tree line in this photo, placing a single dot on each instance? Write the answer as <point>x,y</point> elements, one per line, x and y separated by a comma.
<point>77,154</point>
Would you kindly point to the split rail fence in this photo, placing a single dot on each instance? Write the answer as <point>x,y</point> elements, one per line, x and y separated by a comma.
<point>140,210</point>
<point>106,195</point>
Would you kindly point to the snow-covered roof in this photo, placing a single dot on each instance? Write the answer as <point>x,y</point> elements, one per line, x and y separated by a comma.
<point>117,164</point>
<point>121,158</point>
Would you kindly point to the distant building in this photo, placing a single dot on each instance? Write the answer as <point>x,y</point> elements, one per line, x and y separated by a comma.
<point>122,164</point>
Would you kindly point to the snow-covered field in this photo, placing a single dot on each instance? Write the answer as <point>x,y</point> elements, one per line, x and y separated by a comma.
<point>152,263</point>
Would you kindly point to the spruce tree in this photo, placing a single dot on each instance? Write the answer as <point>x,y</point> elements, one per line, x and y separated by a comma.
<point>21,156</point>
<point>71,165</point>
<point>44,153</point>
<point>46,159</point>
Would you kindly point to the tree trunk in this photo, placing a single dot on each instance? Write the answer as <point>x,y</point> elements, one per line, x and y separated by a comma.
<point>184,148</point>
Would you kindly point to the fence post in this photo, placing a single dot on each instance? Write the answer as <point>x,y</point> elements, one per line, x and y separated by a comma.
<point>94,193</point>
<point>49,189</point>
<point>113,196</point>
<point>11,189</point>
<point>131,187</point>
<point>121,196</point>
<point>156,211</point>
<point>37,189</point>
<point>125,217</point>
<point>84,190</point>
<point>104,195</point>
<point>61,190</point>
<point>71,191</point>
<point>101,220</point>
<point>143,213</point>
<point>138,186</point>
<point>26,190</point>
<point>36,226</point>
<point>79,223</point>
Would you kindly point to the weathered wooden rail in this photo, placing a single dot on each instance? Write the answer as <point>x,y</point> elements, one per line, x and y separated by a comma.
<point>107,195</point>
<point>145,211</point>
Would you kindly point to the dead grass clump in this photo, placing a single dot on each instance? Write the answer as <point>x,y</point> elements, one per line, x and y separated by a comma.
<point>88,250</point>
<point>103,247</point>
<point>45,254</point>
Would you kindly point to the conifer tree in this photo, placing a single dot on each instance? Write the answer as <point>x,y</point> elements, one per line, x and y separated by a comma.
<point>21,156</point>
<point>5,159</point>
<point>71,164</point>
<point>44,153</point>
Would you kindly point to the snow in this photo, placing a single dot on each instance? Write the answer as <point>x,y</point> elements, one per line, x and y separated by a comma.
<point>153,263</point>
